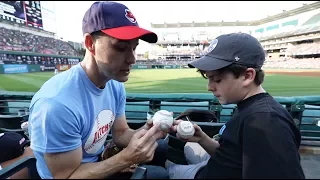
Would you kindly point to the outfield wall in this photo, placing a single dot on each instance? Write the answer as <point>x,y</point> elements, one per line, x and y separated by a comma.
<point>29,68</point>
<point>158,66</point>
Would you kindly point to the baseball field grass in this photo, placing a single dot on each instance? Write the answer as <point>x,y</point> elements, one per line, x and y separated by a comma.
<point>277,83</point>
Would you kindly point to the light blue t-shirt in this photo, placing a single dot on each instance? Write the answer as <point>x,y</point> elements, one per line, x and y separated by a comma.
<point>69,111</point>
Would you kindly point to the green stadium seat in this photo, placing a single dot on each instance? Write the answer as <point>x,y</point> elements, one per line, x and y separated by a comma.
<point>137,110</point>
<point>12,123</point>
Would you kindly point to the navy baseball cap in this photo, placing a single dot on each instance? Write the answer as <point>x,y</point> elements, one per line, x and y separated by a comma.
<point>233,48</point>
<point>12,145</point>
<point>115,20</point>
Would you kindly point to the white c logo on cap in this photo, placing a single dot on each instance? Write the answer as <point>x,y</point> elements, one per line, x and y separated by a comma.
<point>211,47</point>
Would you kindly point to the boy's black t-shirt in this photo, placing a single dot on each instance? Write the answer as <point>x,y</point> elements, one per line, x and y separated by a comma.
<point>261,140</point>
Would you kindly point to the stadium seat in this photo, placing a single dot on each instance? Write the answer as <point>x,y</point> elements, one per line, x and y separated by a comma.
<point>26,162</point>
<point>12,123</point>
<point>136,124</point>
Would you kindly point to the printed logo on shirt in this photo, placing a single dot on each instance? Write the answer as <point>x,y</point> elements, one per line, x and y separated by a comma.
<point>99,132</point>
<point>222,129</point>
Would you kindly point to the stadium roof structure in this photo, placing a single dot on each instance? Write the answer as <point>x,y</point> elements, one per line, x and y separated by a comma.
<point>295,32</point>
<point>284,14</point>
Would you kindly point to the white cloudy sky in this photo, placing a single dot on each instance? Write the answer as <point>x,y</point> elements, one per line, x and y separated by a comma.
<point>69,14</point>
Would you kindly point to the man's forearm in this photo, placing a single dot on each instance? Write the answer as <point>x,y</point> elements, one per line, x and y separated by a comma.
<point>100,170</point>
<point>208,144</point>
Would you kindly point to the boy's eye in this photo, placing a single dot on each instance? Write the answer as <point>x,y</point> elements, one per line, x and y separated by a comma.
<point>217,80</point>
<point>214,79</point>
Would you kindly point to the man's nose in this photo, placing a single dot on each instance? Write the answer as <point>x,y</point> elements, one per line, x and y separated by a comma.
<point>131,59</point>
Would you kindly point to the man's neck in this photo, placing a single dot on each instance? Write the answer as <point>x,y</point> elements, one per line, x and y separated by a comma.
<point>90,67</point>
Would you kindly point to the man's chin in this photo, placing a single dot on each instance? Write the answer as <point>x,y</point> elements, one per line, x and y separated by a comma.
<point>122,79</point>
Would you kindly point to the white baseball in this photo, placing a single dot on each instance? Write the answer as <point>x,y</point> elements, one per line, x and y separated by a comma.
<point>185,129</point>
<point>163,117</point>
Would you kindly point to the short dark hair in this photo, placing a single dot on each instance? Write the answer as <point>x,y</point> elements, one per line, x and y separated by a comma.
<point>95,35</point>
<point>238,70</point>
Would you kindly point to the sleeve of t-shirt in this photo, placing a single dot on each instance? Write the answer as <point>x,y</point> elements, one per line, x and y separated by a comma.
<point>122,102</point>
<point>53,127</point>
<point>269,148</point>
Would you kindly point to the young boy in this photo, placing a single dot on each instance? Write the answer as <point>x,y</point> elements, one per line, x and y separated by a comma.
<point>261,140</point>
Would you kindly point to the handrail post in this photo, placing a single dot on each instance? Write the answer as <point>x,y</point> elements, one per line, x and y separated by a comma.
<point>154,105</point>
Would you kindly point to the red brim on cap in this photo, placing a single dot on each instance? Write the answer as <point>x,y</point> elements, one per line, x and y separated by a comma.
<point>132,32</point>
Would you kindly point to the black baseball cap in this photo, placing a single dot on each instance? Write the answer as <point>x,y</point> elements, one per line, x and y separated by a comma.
<point>233,48</point>
<point>115,20</point>
<point>12,145</point>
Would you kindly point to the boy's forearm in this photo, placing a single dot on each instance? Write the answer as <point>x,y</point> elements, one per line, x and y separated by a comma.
<point>209,144</point>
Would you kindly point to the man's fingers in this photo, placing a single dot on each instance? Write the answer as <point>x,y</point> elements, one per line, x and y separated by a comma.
<point>176,122</point>
<point>173,128</point>
<point>140,134</point>
<point>154,147</point>
<point>150,121</point>
<point>150,132</point>
<point>151,150</point>
<point>150,143</point>
<point>159,135</point>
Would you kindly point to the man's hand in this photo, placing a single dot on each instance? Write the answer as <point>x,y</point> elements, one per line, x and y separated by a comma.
<point>142,145</point>
<point>149,123</point>
<point>197,137</point>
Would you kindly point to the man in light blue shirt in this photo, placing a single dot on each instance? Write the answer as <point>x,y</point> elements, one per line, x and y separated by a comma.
<point>73,112</point>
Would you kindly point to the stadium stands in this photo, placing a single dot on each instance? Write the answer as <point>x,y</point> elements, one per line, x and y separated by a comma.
<point>292,63</point>
<point>14,40</point>
<point>291,39</point>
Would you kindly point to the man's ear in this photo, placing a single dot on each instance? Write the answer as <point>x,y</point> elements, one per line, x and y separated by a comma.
<point>249,76</point>
<point>89,43</point>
